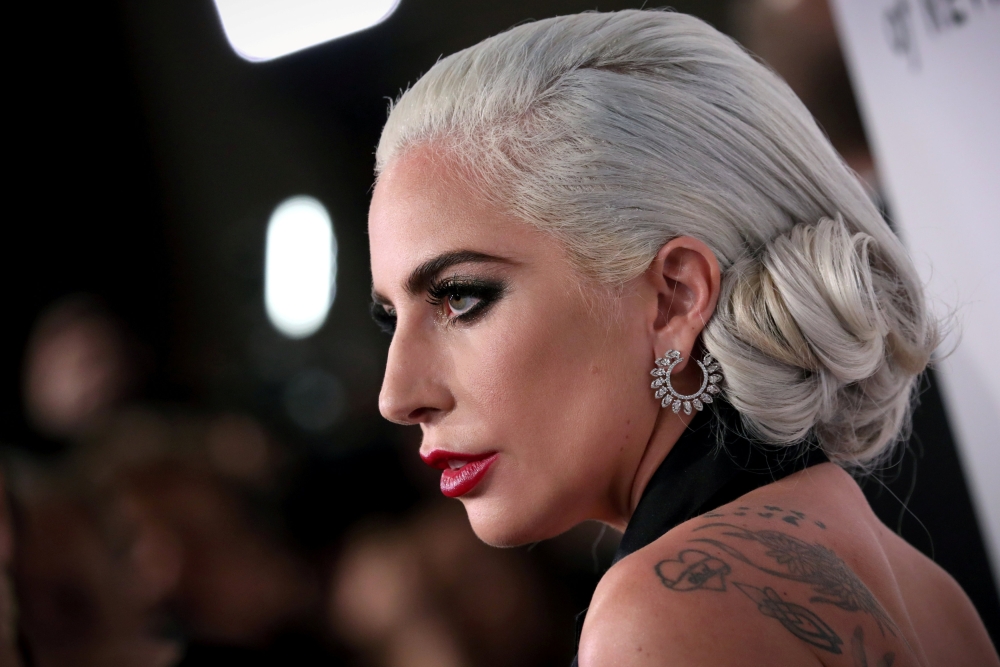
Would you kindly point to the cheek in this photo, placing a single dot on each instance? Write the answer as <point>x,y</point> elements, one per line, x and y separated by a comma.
<point>559,383</point>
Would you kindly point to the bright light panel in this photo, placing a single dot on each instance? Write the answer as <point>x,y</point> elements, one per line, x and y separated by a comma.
<point>300,267</point>
<point>267,29</point>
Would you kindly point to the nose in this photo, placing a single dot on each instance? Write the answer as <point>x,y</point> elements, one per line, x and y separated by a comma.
<point>414,389</point>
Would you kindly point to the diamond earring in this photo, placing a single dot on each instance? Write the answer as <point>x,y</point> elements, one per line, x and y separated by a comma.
<point>712,375</point>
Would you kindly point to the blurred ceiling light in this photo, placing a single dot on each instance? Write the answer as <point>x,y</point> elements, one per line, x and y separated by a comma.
<point>267,29</point>
<point>300,267</point>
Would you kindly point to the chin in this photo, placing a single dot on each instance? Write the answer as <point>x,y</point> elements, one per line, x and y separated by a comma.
<point>500,524</point>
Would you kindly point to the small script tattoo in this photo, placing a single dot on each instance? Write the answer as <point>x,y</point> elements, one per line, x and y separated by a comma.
<point>786,558</point>
<point>791,517</point>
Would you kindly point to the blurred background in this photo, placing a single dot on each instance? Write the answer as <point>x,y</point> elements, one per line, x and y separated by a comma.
<point>185,458</point>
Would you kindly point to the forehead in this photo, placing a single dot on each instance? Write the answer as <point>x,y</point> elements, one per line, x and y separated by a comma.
<point>422,207</point>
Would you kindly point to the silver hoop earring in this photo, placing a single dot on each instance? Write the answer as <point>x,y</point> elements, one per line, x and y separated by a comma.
<point>712,375</point>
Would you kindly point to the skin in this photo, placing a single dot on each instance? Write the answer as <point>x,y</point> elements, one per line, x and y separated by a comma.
<point>552,373</point>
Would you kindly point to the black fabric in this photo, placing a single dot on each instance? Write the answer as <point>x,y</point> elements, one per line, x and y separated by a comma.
<point>711,464</point>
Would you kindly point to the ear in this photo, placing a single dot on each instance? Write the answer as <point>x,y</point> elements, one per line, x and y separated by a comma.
<point>685,279</point>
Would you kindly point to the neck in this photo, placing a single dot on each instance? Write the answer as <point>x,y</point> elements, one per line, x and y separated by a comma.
<point>666,432</point>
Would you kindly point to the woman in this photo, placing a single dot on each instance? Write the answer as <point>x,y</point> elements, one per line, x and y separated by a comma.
<point>583,206</point>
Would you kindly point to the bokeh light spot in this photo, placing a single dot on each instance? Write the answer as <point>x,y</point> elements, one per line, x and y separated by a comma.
<point>300,267</point>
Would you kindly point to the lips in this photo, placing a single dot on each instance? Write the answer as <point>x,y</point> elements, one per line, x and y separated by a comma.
<point>460,472</point>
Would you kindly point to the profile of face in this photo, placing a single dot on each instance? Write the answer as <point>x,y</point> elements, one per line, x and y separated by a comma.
<point>530,382</point>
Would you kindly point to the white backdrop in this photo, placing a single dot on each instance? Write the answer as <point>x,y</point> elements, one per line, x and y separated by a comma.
<point>927,76</point>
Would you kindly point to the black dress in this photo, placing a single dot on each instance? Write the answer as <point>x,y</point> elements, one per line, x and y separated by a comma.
<point>712,463</point>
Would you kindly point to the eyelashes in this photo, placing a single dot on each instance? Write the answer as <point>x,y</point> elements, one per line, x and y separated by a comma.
<point>451,291</point>
<point>459,300</point>
<point>385,320</point>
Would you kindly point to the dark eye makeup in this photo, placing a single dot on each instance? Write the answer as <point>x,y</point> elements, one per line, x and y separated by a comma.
<point>485,291</point>
<point>384,318</point>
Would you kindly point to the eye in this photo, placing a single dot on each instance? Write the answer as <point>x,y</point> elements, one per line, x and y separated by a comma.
<point>465,299</point>
<point>384,317</point>
<point>461,304</point>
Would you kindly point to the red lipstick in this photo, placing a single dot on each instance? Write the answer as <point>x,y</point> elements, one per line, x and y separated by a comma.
<point>460,472</point>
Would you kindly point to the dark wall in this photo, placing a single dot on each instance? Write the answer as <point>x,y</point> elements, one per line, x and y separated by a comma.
<point>86,205</point>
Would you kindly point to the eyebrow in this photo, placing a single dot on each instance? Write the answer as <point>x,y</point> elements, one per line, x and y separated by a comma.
<point>422,276</point>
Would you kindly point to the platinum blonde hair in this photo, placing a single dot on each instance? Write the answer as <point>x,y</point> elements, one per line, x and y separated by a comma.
<point>617,132</point>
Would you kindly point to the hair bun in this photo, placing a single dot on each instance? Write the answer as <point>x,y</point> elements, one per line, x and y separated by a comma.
<point>840,353</point>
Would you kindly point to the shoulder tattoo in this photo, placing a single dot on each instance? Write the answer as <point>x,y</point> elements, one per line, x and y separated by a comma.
<point>706,565</point>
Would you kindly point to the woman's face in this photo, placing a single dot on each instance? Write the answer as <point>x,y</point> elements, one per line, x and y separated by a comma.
<point>529,383</point>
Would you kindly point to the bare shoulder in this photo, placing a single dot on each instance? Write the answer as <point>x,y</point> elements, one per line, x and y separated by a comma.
<point>750,584</point>
<point>677,598</point>
<point>799,572</point>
